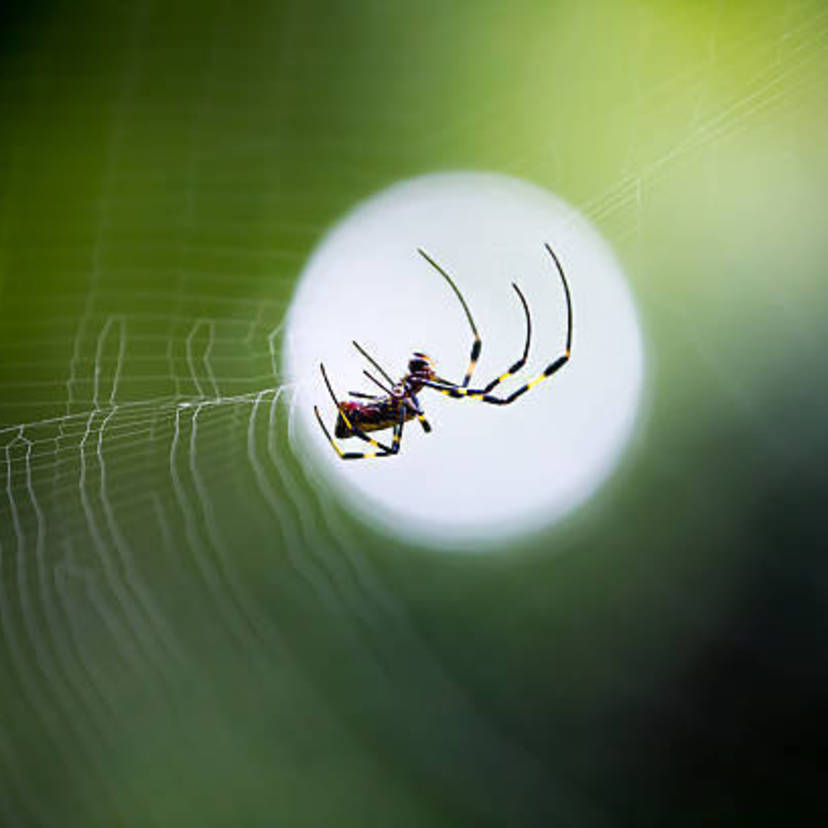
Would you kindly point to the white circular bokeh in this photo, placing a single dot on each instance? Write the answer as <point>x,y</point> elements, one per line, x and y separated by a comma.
<point>485,473</point>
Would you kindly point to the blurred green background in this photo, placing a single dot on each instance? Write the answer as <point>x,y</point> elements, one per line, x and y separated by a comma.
<point>194,632</point>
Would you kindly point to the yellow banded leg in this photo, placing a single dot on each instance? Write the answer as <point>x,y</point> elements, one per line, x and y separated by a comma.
<point>352,455</point>
<point>383,450</point>
<point>424,423</point>
<point>477,345</point>
<point>481,395</point>
<point>522,361</point>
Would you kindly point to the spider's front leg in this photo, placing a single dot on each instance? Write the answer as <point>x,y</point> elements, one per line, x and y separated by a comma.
<point>477,344</point>
<point>482,394</point>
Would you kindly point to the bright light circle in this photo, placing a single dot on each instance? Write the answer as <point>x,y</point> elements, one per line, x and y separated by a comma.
<point>485,473</point>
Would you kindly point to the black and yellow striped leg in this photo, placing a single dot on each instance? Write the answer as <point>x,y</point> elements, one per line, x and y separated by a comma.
<point>548,371</point>
<point>477,344</point>
<point>356,431</point>
<point>482,394</point>
<point>522,361</point>
<point>419,411</point>
<point>475,355</point>
<point>398,430</point>
<point>384,451</point>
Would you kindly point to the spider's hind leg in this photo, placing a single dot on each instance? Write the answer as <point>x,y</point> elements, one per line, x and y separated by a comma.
<point>383,450</point>
<point>343,422</point>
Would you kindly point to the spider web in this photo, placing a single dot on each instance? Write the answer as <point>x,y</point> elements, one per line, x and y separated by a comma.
<point>146,446</point>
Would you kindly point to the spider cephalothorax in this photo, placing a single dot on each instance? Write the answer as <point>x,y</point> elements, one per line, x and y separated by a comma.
<point>421,363</point>
<point>399,402</point>
<point>420,369</point>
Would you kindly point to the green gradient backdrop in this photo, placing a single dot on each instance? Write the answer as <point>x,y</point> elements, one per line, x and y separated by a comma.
<point>193,633</point>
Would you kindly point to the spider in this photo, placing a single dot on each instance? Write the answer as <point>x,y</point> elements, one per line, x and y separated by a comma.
<point>398,403</point>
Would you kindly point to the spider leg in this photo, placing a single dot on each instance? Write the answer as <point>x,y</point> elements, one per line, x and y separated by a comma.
<point>419,411</point>
<point>483,395</point>
<point>349,455</point>
<point>385,451</point>
<point>477,344</point>
<point>375,364</point>
<point>360,396</point>
<point>522,361</point>
<point>357,432</point>
<point>373,379</point>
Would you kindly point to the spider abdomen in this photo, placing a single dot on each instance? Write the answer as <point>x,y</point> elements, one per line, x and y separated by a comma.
<point>373,416</point>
